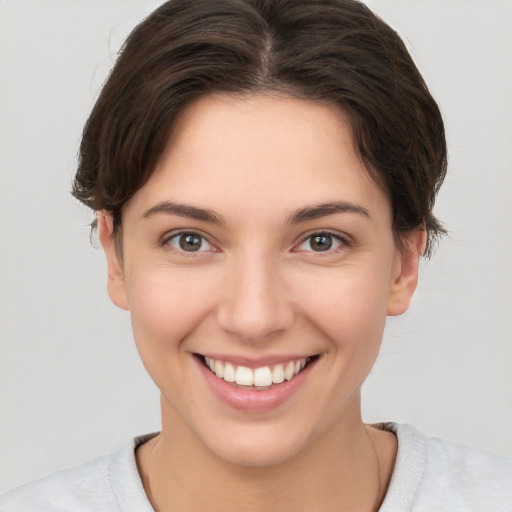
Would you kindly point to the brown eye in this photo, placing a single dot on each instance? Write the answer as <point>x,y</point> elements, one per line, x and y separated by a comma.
<point>188,242</point>
<point>321,242</point>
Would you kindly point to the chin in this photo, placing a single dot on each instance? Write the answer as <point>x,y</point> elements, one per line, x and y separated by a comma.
<point>250,454</point>
<point>256,446</point>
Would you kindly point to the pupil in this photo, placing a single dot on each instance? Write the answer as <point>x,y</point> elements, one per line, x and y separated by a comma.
<point>321,242</point>
<point>190,242</point>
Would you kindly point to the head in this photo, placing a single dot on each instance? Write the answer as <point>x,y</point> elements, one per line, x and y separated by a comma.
<point>335,51</point>
<point>265,172</point>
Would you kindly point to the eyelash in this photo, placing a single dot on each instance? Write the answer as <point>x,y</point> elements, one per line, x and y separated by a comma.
<point>166,241</point>
<point>335,238</point>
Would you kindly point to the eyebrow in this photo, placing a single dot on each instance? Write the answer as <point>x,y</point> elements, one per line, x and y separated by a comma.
<point>325,209</point>
<point>301,215</point>
<point>186,211</point>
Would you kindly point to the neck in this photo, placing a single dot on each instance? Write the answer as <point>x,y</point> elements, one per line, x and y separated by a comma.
<point>340,471</point>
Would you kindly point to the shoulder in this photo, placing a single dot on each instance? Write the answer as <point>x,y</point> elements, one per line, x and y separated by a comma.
<point>101,484</point>
<point>464,476</point>
<point>76,489</point>
<point>434,474</point>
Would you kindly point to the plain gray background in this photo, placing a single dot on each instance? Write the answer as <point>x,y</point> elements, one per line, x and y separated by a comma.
<point>72,386</point>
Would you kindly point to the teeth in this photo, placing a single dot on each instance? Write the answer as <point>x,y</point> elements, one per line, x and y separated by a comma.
<point>244,376</point>
<point>229,372</point>
<point>288,373</point>
<point>219,369</point>
<point>278,374</point>
<point>262,377</point>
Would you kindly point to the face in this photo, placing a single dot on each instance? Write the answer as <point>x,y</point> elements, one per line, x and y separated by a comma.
<point>258,265</point>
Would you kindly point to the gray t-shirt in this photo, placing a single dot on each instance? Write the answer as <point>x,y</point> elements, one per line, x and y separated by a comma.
<point>430,474</point>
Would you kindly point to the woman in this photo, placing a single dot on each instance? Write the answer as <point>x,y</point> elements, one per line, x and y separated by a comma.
<point>264,174</point>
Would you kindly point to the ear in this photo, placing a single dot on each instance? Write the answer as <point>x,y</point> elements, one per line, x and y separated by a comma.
<point>115,284</point>
<point>406,273</point>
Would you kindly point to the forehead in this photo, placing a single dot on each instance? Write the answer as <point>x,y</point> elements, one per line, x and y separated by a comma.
<point>269,129</point>
<point>261,151</point>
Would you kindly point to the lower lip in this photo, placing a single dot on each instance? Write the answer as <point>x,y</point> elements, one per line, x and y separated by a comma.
<point>254,400</point>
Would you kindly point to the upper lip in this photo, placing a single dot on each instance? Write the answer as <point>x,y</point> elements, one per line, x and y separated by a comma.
<point>250,362</point>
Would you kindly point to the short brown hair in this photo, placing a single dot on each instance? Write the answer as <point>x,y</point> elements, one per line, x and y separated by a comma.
<point>334,51</point>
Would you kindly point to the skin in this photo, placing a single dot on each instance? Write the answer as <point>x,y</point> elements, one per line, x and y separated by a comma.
<point>256,288</point>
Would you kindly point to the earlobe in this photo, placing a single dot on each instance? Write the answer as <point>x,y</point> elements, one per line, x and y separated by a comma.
<point>116,286</point>
<point>406,274</point>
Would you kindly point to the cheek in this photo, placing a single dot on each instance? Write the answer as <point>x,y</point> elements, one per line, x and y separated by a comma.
<point>166,306</point>
<point>349,307</point>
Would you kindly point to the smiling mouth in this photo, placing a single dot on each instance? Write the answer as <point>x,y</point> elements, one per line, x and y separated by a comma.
<point>260,378</point>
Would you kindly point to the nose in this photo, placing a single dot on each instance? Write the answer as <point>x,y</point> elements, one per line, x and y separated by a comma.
<point>254,303</point>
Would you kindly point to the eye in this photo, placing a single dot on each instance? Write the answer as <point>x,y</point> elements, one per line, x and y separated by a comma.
<point>321,242</point>
<point>188,242</point>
